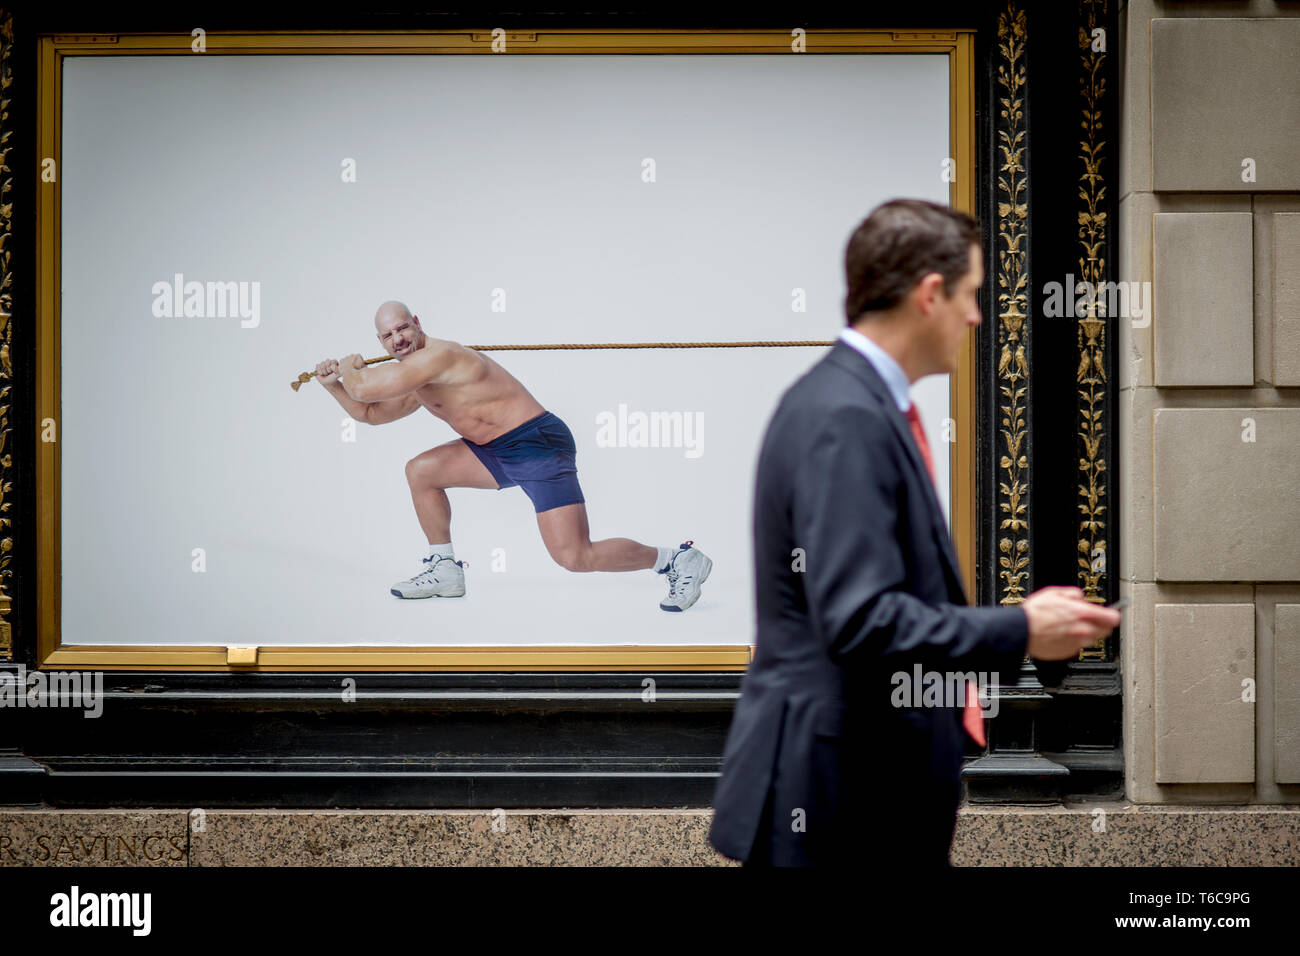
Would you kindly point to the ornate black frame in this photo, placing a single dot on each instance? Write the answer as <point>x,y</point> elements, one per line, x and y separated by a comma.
<point>595,739</point>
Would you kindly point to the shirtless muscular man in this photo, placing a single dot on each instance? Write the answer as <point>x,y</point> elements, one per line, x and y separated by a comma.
<point>507,439</point>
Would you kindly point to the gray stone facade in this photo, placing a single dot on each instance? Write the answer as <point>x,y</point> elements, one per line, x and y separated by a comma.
<point>1209,414</point>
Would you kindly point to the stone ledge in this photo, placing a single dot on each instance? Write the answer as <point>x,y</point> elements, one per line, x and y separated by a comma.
<point>1133,836</point>
<point>986,836</point>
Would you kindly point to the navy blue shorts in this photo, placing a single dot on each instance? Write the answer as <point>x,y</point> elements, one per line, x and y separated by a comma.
<point>540,457</point>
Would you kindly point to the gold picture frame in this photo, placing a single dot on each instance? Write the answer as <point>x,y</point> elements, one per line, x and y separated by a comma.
<point>956,45</point>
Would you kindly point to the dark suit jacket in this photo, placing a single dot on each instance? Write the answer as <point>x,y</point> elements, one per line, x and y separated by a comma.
<point>819,766</point>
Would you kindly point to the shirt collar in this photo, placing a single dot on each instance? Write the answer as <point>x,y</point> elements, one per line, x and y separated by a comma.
<point>884,364</point>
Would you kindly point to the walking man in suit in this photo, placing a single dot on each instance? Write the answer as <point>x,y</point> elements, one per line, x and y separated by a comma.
<point>858,588</point>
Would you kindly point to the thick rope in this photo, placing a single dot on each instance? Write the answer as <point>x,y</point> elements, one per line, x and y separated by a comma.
<point>307,376</point>
<point>645,345</point>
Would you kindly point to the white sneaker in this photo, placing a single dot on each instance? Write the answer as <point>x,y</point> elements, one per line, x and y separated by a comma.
<point>444,577</point>
<point>687,569</point>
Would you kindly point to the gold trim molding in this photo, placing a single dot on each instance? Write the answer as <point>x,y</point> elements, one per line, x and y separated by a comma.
<point>1091,372</point>
<point>1013,308</point>
<point>6,338</point>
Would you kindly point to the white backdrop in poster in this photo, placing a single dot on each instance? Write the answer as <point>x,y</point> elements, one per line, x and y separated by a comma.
<point>473,174</point>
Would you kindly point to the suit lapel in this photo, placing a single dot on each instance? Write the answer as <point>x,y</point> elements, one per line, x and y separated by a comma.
<point>857,364</point>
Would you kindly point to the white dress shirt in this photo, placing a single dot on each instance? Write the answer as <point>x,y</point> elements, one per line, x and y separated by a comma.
<point>884,364</point>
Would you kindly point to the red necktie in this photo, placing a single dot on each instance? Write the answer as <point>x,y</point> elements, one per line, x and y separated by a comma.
<point>971,717</point>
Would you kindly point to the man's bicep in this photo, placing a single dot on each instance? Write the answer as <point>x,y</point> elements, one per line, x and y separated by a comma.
<point>405,406</point>
<point>390,410</point>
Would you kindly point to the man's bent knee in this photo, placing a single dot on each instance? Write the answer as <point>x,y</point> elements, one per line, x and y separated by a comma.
<point>422,472</point>
<point>574,559</point>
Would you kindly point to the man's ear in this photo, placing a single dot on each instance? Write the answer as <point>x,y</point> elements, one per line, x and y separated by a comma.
<point>926,290</point>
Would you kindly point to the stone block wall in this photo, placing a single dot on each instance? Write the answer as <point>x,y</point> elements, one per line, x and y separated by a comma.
<point>1209,412</point>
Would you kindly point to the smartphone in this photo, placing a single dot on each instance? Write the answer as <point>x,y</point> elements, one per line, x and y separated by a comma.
<point>1120,604</point>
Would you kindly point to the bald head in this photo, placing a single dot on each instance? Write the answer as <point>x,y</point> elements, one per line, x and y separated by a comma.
<point>398,330</point>
<point>391,311</point>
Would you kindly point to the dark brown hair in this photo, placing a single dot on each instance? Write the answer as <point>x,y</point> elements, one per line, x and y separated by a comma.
<point>900,242</point>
